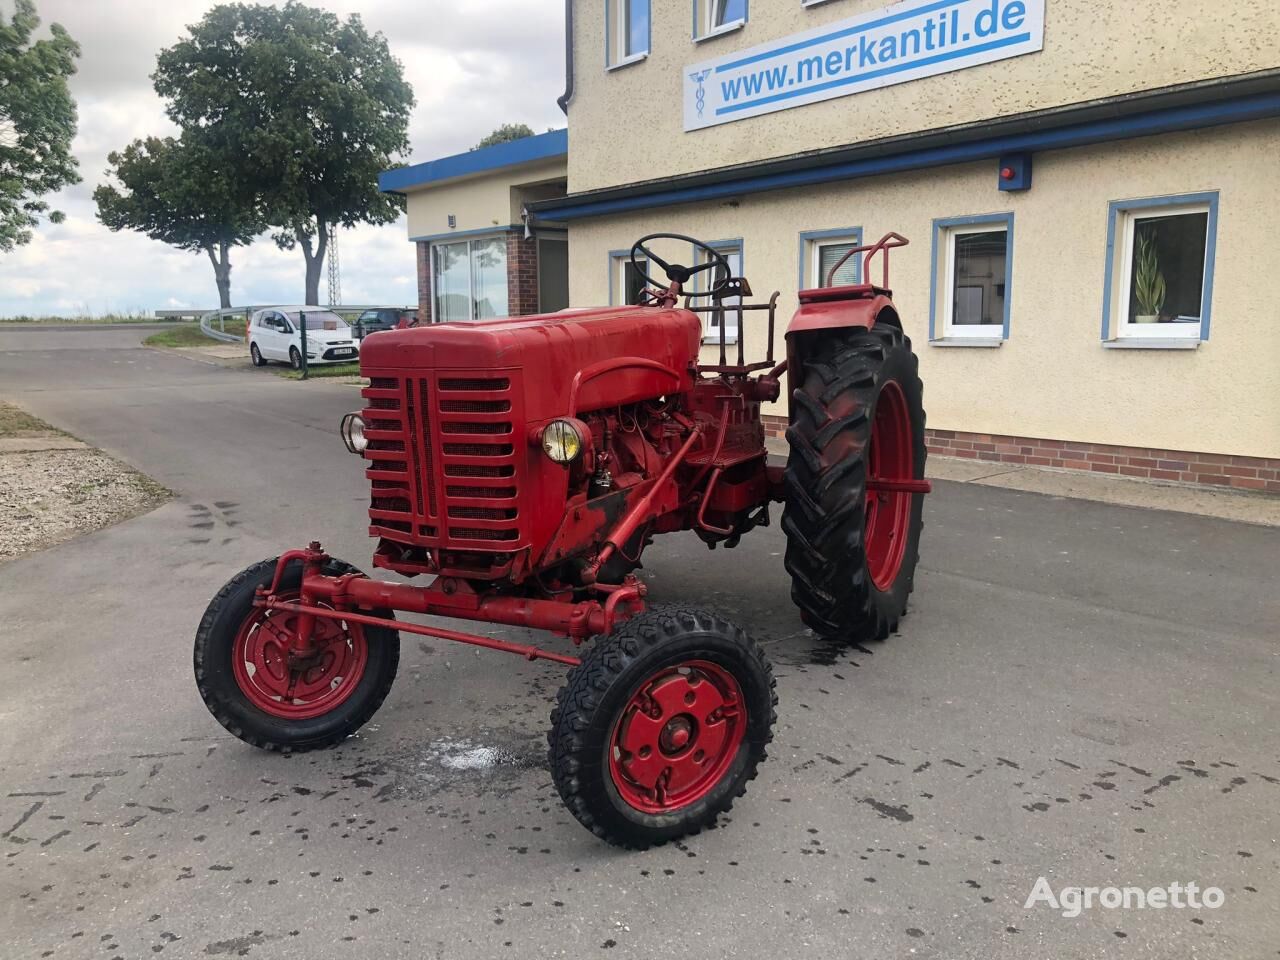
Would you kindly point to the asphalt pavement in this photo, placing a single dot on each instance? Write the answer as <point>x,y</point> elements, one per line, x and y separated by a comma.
<point>1082,692</point>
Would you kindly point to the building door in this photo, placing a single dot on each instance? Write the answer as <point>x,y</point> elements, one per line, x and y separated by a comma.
<point>553,274</point>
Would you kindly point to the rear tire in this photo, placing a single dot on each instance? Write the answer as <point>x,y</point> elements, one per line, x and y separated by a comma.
<point>241,702</point>
<point>636,778</point>
<point>256,356</point>
<point>857,406</point>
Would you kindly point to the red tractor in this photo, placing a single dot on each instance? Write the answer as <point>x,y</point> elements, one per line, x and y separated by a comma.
<point>523,465</point>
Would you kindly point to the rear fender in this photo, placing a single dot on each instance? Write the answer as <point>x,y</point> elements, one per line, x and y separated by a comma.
<point>833,309</point>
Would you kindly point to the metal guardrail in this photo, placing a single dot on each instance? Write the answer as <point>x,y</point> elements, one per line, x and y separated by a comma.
<point>219,317</point>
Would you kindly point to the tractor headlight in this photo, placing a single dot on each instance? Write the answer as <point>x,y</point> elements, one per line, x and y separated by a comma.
<point>561,441</point>
<point>353,433</point>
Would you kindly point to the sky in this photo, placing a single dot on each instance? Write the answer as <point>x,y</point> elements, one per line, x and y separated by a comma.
<point>473,64</point>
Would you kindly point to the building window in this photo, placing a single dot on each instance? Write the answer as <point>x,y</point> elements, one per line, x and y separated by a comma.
<point>972,279</point>
<point>625,282</point>
<point>731,250</point>
<point>714,17</point>
<point>470,279</point>
<point>1159,281</point>
<point>627,30</point>
<point>820,250</point>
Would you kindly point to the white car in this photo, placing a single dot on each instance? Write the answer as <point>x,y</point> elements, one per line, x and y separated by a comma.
<point>274,333</point>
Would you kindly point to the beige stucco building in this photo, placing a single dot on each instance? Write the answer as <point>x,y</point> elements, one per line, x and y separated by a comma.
<point>1089,190</point>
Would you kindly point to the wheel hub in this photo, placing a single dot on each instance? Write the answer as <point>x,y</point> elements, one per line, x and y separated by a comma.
<point>279,682</point>
<point>677,736</point>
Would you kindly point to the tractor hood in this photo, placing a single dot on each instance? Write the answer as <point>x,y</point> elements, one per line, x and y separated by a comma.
<point>572,362</point>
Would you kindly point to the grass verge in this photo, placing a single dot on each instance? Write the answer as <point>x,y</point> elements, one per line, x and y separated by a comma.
<point>84,318</point>
<point>186,336</point>
<point>19,423</point>
<point>323,371</point>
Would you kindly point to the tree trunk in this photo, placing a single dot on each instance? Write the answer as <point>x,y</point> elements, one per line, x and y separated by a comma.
<point>314,259</point>
<point>221,273</point>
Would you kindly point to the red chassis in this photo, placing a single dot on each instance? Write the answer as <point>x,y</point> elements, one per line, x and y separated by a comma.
<point>525,464</point>
<point>713,469</point>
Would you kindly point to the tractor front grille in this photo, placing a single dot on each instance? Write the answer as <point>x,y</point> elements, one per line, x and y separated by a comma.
<point>444,462</point>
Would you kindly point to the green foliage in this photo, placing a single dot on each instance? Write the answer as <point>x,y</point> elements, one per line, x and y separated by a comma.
<point>505,134</point>
<point>179,191</point>
<point>1148,281</point>
<point>315,106</point>
<point>37,122</point>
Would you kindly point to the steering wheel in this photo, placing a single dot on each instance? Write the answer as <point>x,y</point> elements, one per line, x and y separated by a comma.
<point>678,273</point>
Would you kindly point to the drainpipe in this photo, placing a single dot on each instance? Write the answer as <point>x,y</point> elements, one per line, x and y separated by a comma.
<point>564,99</point>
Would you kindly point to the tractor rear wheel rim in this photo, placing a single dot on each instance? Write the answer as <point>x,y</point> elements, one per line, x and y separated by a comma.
<point>677,736</point>
<point>888,513</point>
<point>298,691</point>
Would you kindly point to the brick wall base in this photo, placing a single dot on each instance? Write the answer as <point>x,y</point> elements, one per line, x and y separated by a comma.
<point>424,282</point>
<point>522,275</point>
<point>1147,463</point>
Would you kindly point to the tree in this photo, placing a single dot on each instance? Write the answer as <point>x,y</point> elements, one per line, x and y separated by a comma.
<point>37,122</point>
<point>316,106</point>
<point>184,193</point>
<point>505,134</point>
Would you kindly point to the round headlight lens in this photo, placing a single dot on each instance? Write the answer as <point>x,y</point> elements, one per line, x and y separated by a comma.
<point>353,433</point>
<point>561,441</point>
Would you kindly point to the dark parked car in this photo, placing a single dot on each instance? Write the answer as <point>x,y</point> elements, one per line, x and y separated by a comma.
<point>384,318</point>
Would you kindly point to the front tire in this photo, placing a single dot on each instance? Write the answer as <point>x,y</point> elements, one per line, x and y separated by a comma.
<point>661,726</point>
<point>245,680</point>
<point>857,414</point>
<point>295,358</point>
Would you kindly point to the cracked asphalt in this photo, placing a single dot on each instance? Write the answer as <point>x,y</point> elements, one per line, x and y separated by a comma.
<point>1083,692</point>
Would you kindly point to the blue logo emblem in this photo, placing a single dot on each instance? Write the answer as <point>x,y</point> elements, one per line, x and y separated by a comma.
<point>701,95</point>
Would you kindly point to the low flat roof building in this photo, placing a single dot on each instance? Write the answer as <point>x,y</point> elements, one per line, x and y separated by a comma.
<point>466,218</point>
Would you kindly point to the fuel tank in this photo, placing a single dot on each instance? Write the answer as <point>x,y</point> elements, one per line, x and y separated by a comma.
<point>574,361</point>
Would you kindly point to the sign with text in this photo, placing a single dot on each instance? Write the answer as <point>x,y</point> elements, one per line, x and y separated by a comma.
<point>904,42</point>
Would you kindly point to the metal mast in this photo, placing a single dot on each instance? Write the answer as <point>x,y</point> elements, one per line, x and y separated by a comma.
<point>335,270</point>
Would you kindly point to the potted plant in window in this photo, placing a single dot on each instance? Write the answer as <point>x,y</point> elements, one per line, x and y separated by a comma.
<point>1148,281</point>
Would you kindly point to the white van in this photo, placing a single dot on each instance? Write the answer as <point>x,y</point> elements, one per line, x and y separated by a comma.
<point>274,333</point>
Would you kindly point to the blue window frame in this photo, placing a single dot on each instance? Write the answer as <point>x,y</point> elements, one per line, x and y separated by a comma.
<point>714,17</point>
<point>732,251</point>
<point>819,251</point>
<point>971,280</point>
<point>1158,283</point>
<point>627,31</point>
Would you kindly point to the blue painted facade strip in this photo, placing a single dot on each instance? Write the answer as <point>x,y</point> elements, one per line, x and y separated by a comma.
<point>936,330</point>
<point>847,32</point>
<point>1117,207</point>
<point>809,236</point>
<point>872,74</point>
<point>496,231</point>
<point>1169,120</point>
<point>542,146</point>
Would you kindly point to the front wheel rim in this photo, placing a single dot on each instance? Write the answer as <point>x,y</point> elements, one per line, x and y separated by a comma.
<point>677,736</point>
<point>264,674</point>
<point>890,457</point>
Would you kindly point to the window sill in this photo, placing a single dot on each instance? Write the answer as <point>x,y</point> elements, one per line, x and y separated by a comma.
<point>721,31</point>
<point>967,342</point>
<point>634,58</point>
<point>813,3</point>
<point>1152,343</point>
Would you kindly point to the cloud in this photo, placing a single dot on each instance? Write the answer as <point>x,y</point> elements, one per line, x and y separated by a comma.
<point>473,66</point>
